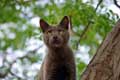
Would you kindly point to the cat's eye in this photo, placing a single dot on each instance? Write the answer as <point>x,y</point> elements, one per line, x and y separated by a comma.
<point>49,32</point>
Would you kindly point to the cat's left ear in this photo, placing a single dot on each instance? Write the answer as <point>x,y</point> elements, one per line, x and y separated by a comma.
<point>64,22</point>
<point>44,25</point>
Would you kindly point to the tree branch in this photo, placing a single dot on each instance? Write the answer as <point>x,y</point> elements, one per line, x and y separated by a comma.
<point>100,1</point>
<point>115,2</point>
<point>3,75</point>
<point>87,26</point>
<point>105,63</point>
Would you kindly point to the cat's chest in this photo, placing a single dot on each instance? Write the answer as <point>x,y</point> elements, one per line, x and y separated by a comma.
<point>57,60</point>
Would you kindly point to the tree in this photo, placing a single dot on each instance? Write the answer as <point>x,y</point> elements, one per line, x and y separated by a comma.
<point>105,63</point>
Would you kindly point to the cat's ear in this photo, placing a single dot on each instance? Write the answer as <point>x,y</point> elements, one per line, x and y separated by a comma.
<point>64,22</point>
<point>44,25</point>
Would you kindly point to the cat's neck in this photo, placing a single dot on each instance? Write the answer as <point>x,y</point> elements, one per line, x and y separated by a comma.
<point>59,49</point>
<point>62,51</point>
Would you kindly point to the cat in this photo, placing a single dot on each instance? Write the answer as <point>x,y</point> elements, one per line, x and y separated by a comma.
<point>59,63</point>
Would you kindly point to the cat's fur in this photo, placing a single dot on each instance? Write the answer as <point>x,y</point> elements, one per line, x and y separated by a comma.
<point>59,63</point>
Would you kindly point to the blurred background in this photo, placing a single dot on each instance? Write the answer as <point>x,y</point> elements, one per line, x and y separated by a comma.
<point>21,46</point>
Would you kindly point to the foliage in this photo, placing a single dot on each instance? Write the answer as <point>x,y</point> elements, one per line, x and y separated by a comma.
<point>21,39</point>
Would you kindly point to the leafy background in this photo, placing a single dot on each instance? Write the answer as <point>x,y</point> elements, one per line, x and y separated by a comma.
<point>21,47</point>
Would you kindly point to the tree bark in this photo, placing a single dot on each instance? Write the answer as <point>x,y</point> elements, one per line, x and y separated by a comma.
<point>105,65</point>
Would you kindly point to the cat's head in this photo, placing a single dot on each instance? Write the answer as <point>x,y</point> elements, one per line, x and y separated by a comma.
<point>55,36</point>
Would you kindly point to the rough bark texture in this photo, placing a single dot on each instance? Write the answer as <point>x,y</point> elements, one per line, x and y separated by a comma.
<point>105,65</point>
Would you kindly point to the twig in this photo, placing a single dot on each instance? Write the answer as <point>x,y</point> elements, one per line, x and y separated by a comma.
<point>100,1</point>
<point>115,2</point>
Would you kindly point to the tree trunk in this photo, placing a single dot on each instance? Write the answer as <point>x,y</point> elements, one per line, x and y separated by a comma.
<point>105,65</point>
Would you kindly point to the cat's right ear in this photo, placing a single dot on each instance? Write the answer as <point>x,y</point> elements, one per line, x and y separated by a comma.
<point>44,25</point>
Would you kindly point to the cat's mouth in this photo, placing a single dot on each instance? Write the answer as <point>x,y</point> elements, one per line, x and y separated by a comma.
<point>56,43</point>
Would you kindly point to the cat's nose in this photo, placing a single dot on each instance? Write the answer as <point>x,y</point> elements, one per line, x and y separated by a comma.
<point>55,37</point>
